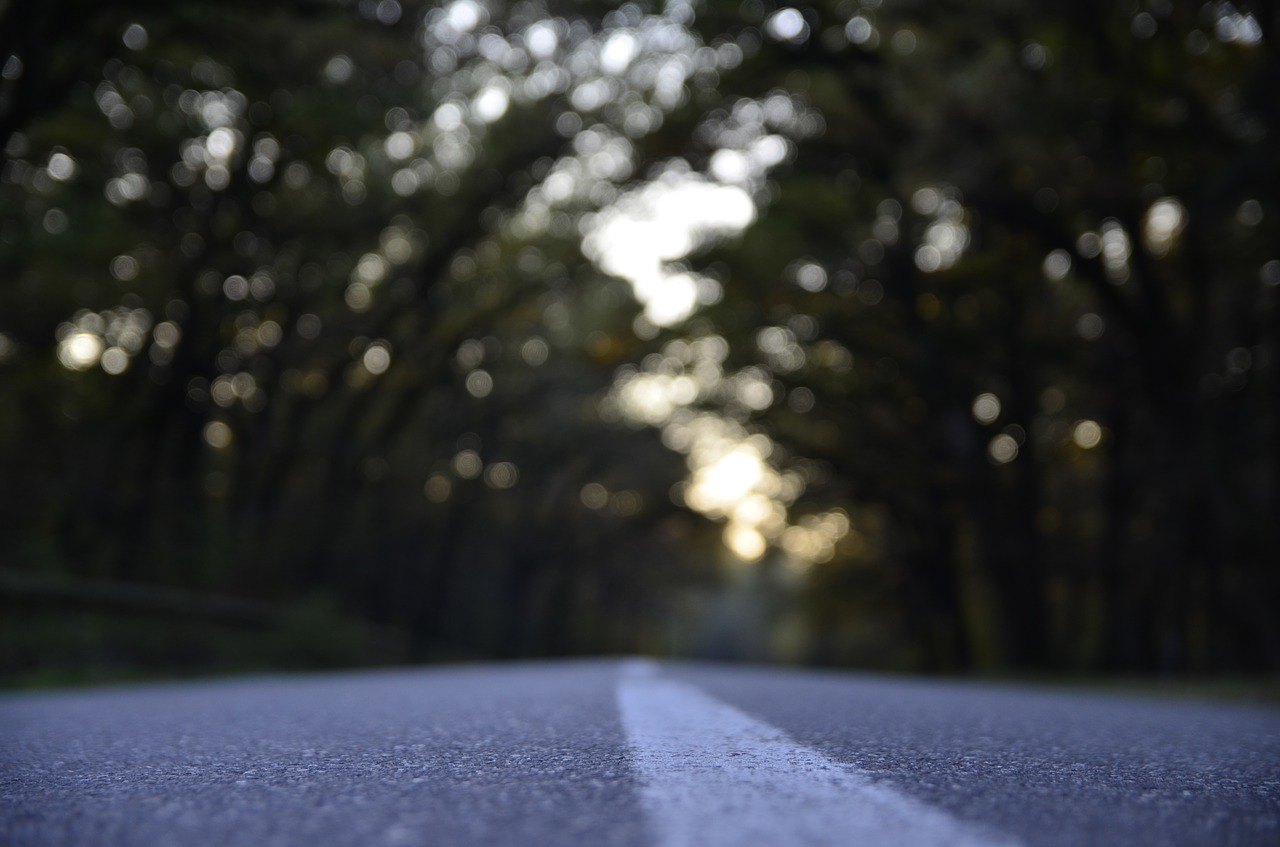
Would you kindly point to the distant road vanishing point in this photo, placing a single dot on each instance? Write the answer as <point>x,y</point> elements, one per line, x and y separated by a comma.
<point>630,752</point>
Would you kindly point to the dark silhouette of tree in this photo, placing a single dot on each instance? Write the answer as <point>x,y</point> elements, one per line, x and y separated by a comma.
<point>307,313</point>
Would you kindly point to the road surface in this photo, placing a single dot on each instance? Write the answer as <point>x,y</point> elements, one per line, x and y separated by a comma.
<point>629,753</point>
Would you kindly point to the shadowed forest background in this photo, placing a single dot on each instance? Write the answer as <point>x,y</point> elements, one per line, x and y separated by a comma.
<point>881,333</point>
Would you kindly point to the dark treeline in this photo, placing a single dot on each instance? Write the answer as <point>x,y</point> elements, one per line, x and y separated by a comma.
<point>885,333</point>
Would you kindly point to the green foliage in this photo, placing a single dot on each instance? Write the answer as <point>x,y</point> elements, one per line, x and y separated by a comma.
<point>305,304</point>
<point>1116,297</point>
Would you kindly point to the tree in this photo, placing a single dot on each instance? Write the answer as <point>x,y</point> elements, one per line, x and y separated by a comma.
<point>958,321</point>
<point>1038,221</point>
<point>314,340</point>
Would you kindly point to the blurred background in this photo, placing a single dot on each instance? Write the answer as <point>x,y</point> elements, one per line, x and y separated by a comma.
<point>926,336</point>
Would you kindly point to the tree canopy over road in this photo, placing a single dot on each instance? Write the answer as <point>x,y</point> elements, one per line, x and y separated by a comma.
<point>879,332</point>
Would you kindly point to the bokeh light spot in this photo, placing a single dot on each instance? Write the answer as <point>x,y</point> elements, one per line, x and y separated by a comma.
<point>80,351</point>
<point>986,408</point>
<point>114,360</point>
<point>437,488</point>
<point>1003,448</point>
<point>61,167</point>
<point>217,435</point>
<point>787,25</point>
<point>479,384</point>
<point>594,495</point>
<point>135,37</point>
<point>377,358</point>
<point>1087,434</point>
<point>467,464</point>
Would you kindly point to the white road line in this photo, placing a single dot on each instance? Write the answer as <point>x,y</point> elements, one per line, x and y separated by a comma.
<point>715,777</point>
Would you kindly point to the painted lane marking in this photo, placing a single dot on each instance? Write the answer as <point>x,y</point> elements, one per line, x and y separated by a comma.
<point>714,777</point>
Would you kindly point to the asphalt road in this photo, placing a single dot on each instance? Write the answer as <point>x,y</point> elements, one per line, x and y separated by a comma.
<point>629,753</point>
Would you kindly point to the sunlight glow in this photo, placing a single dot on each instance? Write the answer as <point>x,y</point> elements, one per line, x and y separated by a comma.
<point>80,351</point>
<point>731,477</point>
<point>723,483</point>
<point>745,542</point>
<point>638,238</point>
